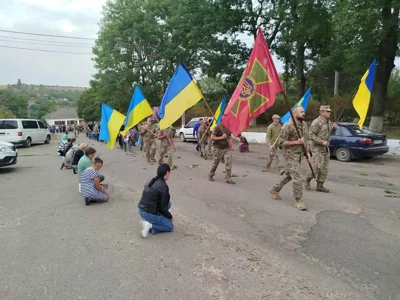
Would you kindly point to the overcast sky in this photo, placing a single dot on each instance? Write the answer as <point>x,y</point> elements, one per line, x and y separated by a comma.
<point>78,18</point>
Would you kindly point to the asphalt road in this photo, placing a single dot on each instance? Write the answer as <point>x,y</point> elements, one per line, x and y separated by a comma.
<point>230,242</point>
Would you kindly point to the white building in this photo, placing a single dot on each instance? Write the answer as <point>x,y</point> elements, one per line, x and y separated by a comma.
<point>63,116</point>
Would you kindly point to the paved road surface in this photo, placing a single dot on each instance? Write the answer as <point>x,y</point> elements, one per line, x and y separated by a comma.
<point>231,242</point>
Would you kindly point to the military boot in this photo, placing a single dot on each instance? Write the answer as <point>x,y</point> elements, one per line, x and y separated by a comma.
<point>307,183</point>
<point>300,205</point>
<point>274,194</point>
<point>320,188</point>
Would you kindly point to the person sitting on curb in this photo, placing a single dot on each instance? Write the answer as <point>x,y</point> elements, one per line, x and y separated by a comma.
<point>244,144</point>
<point>91,188</point>
<point>155,203</point>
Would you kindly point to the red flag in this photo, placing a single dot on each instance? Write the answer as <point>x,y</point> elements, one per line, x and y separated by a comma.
<point>256,90</point>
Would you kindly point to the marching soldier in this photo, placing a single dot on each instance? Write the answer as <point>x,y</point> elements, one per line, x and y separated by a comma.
<point>293,152</point>
<point>204,133</point>
<point>149,132</point>
<point>222,149</point>
<point>166,137</point>
<point>319,134</point>
<point>273,131</point>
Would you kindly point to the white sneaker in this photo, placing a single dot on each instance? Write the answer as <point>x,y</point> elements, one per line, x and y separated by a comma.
<point>146,226</point>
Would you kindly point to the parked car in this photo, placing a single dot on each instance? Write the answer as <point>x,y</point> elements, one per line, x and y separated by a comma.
<point>349,142</point>
<point>186,132</point>
<point>8,154</point>
<point>24,132</point>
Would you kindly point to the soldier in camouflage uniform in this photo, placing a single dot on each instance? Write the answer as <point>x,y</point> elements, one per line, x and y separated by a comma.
<point>273,131</point>
<point>204,134</point>
<point>222,147</point>
<point>320,131</point>
<point>141,135</point>
<point>149,132</point>
<point>293,152</point>
<point>166,137</point>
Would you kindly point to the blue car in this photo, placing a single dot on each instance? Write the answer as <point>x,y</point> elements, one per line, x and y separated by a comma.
<point>349,142</point>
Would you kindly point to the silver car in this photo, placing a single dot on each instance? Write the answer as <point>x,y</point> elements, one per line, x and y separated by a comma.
<point>8,154</point>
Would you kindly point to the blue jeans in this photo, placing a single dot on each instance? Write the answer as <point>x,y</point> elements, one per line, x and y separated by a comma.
<point>159,222</point>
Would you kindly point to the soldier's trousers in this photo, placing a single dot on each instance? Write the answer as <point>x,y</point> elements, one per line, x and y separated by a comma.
<point>150,148</point>
<point>218,154</point>
<point>292,172</point>
<point>273,156</point>
<point>203,146</point>
<point>165,150</point>
<point>320,163</point>
<point>209,145</point>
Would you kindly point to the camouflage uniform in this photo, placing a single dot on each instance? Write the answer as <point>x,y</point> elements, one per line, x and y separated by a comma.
<point>272,134</point>
<point>320,130</point>
<point>149,142</point>
<point>292,161</point>
<point>221,151</point>
<point>204,131</point>
<point>165,146</point>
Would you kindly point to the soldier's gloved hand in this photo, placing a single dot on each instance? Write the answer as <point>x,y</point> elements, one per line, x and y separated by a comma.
<point>334,125</point>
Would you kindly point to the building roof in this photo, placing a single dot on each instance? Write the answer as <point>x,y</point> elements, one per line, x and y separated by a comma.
<point>62,114</point>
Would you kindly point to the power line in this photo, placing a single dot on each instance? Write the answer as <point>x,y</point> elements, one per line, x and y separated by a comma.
<point>43,44</point>
<point>41,34</point>
<point>59,42</point>
<point>43,50</point>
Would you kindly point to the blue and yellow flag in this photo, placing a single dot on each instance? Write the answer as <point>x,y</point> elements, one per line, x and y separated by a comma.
<point>139,108</point>
<point>363,96</point>
<point>303,102</point>
<point>219,113</point>
<point>182,93</point>
<point>110,126</point>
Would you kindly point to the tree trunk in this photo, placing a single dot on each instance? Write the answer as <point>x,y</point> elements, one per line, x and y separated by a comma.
<point>300,49</point>
<point>385,64</point>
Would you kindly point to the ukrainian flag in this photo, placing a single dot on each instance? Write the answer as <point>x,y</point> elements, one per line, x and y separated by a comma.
<point>110,126</point>
<point>139,108</point>
<point>219,113</point>
<point>303,102</point>
<point>182,93</point>
<point>363,96</point>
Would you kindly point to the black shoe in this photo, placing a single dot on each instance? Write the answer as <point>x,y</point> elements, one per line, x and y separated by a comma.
<point>62,166</point>
<point>74,170</point>
<point>87,201</point>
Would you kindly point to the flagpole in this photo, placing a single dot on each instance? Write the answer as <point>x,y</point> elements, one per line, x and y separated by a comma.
<point>298,132</point>
<point>147,130</point>
<point>208,127</point>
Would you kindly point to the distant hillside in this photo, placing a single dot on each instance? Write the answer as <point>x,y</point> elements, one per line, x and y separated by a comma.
<point>50,87</point>
<point>28,100</point>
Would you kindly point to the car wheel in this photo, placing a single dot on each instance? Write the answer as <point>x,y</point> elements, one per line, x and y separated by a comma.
<point>182,135</point>
<point>28,142</point>
<point>343,154</point>
<point>47,141</point>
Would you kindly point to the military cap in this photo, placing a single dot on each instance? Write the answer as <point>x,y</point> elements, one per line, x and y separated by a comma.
<point>275,117</point>
<point>325,108</point>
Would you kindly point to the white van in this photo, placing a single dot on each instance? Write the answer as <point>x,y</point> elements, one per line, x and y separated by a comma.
<point>24,131</point>
<point>186,132</point>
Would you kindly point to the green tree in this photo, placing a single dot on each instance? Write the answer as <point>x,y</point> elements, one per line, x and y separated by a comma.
<point>89,106</point>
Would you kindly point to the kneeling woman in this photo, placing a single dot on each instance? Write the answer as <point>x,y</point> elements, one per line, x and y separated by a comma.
<point>90,186</point>
<point>155,204</point>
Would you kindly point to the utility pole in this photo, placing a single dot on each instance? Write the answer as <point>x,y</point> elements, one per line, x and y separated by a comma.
<point>336,85</point>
